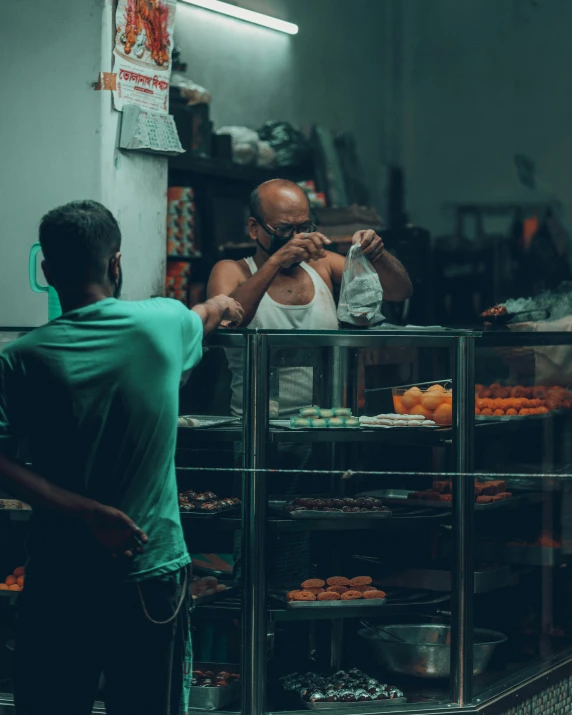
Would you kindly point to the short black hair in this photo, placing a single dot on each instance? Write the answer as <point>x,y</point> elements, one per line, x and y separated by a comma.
<point>77,240</point>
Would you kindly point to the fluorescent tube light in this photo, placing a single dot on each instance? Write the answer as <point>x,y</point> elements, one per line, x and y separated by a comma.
<point>248,15</point>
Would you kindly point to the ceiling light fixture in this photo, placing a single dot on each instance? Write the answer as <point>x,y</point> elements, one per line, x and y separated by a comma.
<point>247,15</point>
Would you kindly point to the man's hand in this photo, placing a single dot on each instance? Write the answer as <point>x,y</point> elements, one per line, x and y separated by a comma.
<point>232,313</point>
<point>113,530</point>
<point>371,243</point>
<point>302,247</point>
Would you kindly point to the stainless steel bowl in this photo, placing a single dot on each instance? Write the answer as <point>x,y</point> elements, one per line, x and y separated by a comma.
<point>426,650</point>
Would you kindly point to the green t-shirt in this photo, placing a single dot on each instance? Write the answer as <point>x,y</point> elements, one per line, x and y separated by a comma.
<point>96,394</point>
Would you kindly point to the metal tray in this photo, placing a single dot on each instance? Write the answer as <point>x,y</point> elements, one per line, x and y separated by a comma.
<point>285,424</point>
<point>370,706</point>
<point>278,506</point>
<point>523,555</point>
<point>363,602</point>
<point>207,421</point>
<point>210,699</point>
<point>205,515</point>
<point>440,580</point>
<point>510,418</point>
<point>399,496</point>
<point>212,597</point>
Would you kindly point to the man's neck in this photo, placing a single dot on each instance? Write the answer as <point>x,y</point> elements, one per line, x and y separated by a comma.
<point>260,257</point>
<point>86,296</point>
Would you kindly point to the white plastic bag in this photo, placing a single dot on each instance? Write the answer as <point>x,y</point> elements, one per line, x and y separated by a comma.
<point>361,292</point>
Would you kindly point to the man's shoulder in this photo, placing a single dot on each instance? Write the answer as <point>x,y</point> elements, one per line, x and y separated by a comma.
<point>231,267</point>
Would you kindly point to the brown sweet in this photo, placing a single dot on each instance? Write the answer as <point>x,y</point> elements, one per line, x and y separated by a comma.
<point>362,589</point>
<point>315,591</point>
<point>495,487</point>
<point>484,500</point>
<point>351,595</point>
<point>313,583</point>
<point>504,495</point>
<point>329,596</point>
<point>445,497</point>
<point>360,581</point>
<point>337,589</point>
<point>304,596</point>
<point>291,594</point>
<point>374,594</point>
<point>338,581</point>
<point>442,487</point>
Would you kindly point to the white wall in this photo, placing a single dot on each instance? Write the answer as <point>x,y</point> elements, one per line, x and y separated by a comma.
<point>483,80</point>
<point>330,73</point>
<point>57,139</point>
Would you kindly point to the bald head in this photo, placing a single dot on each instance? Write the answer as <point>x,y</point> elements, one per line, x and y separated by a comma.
<point>279,201</point>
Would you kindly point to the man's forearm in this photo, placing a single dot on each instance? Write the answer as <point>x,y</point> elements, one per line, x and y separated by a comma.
<point>250,293</point>
<point>36,491</point>
<point>394,279</point>
<point>210,314</point>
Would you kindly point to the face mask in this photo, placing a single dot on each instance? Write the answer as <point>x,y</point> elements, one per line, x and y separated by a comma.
<point>275,244</point>
<point>118,285</point>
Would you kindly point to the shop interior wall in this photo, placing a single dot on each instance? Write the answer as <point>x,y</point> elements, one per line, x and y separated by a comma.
<point>330,73</point>
<point>481,81</point>
<point>57,143</point>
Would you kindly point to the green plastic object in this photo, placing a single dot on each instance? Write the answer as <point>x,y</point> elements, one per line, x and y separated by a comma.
<point>54,307</point>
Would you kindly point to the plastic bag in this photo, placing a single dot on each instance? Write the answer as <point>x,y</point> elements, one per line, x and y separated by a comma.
<point>244,144</point>
<point>361,292</point>
<point>291,146</point>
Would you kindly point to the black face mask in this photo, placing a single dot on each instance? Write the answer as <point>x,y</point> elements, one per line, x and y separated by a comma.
<point>117,284</point>
<point>276,244</point>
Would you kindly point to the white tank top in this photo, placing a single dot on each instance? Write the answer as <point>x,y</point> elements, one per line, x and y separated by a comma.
<point>291,387</point>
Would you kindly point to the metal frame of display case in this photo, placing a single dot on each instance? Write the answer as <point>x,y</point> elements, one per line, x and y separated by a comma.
<point>257,433</point>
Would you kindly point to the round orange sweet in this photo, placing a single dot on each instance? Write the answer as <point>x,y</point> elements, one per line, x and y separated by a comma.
<point>477,411</point>
<point>431,400</point>
<point>487,411</point>
<point>14,587</point>
<point>436,388</point>
<point>542,410</point>
<point>10,580</point>
<point>398,405</point>
<point>411,398</point>
<point>511,411</point>
<point>525,411</point>
<point>19,571</point>
<point>3,587</point>
<point>499,413</point>
<point>20,581</point>
<point>443,415</point>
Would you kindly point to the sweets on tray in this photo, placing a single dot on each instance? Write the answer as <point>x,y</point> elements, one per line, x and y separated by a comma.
<point>494,312</point>
<point>205,586</point>
<point>347,505</point>
<point>321,417</point>
<point>14,504</point>
<point>485,492</point>
<point>518,400</point>
<point>205,502</point>
<point>15,581</point>
<point>395,420</point>
<point>352,686</point>
<point>336,588</point>
<point>210,679</point>
<point>435,403</point>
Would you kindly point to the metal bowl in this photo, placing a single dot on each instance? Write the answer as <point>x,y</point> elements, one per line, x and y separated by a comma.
<point>426,650</point>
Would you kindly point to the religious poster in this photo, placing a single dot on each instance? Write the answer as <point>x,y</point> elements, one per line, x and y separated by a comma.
<point>142,53</point>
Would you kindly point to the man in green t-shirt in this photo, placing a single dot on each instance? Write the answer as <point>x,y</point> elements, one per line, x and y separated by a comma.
<point>95,394</point>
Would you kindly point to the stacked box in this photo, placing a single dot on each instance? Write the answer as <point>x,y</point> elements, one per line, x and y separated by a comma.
<point>177,280</point>
<point>317,199</point>
<point>181,222</point>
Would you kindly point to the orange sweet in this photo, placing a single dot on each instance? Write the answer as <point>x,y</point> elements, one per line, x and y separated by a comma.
<point>487,411</point>
<point>3,587</point>
<point>10,580</point>
<point>511,411</point>
<point>14,587</point>
<point>443,415</point>
<point>499,413</point>
<point>19,571</point>
<point>431,400</point>
<point>436,388</point>
<point>20,581</point>
<point>525,411</point>
<point>411,398</point>
<point>398,405</point>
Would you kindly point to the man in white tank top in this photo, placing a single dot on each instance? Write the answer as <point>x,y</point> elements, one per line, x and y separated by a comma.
<point>289,283</point>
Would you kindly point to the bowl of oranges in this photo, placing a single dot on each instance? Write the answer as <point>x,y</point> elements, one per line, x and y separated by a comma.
<point>433,403</point>
<point>15,581</point>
